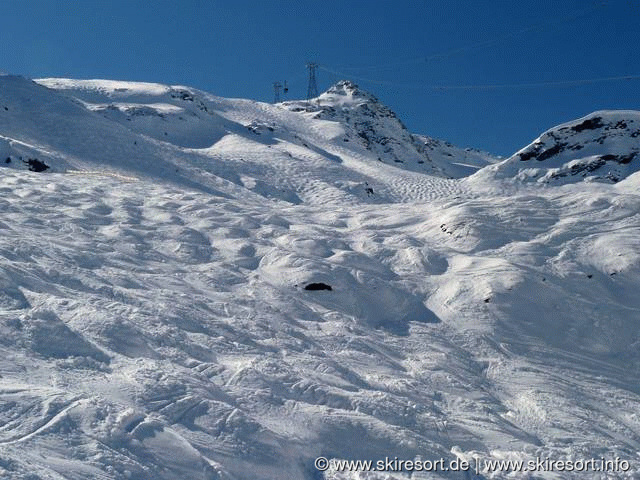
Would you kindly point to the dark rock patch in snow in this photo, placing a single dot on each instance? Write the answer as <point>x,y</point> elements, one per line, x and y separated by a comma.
<point>621,159</point>
<point>318,286</point>
<point>588,124</point>
<point>550,152</point>
<point>36,165</point>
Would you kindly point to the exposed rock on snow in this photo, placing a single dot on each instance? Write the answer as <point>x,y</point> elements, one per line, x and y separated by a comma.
<point>318,286</point>
<point>603,146</point>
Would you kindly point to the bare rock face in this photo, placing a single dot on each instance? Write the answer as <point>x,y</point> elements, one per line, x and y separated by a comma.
<point>603,146</point>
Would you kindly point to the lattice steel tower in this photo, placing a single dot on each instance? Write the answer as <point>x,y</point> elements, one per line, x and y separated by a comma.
<point>312,91</point>
<point>276,91</point>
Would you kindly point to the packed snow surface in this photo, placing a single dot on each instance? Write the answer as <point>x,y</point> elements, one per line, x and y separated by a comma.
<point>157,320</point>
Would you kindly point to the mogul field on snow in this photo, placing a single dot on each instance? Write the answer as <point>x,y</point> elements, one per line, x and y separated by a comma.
<point>197,287</point>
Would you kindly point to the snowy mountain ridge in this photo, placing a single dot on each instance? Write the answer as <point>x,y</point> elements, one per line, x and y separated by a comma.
<point>178,128</point>
<point>160,310</point>
<point>602,146</point>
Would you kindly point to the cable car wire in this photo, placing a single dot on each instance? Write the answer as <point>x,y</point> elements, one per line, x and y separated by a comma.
<point>479,45</point>
<point>558,83</point>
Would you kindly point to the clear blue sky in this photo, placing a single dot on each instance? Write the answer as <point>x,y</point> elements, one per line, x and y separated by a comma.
<point>397,50</point>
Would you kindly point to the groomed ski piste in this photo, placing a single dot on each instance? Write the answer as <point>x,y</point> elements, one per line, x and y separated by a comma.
<point>154,320</point>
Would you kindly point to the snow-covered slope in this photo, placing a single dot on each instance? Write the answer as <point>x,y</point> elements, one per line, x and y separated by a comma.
<point>603,146</point>
<point>182,134</point>
<point>157,324</point>
<point>456,162</point>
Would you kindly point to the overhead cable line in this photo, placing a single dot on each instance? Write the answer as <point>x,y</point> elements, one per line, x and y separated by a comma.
<point>479,45</point>
<point>558,83</point>
<point>567,83</point>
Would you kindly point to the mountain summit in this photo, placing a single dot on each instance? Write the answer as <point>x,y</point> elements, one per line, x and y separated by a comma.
<point>349,91</point>
<point>378,133</point>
